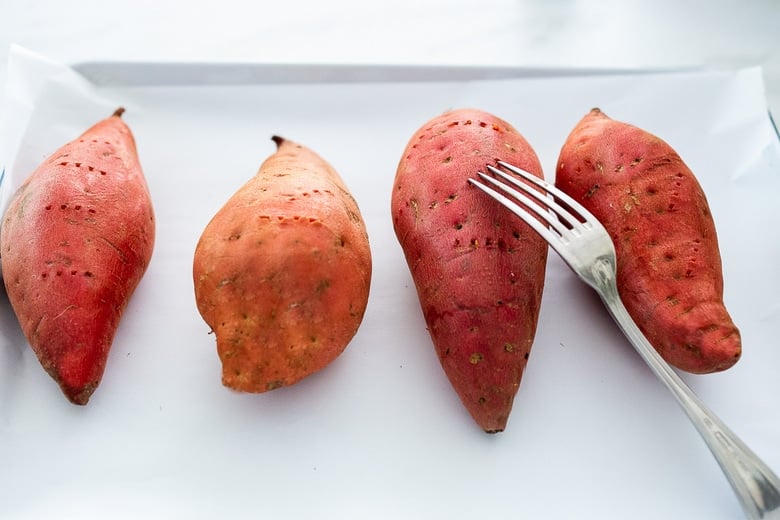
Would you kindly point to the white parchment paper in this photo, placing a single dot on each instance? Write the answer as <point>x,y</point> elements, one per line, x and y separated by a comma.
<point>380,433</point>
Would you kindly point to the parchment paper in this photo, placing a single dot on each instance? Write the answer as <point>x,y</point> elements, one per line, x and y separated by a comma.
<point>380,433</point>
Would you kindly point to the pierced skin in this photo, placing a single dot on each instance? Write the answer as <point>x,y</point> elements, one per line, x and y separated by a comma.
<point>76,241</point>
<point>669,265</point>
<point>478,270</point>
<point>282,272</point>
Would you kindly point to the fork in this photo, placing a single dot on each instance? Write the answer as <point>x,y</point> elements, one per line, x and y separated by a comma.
<point>584,244</point>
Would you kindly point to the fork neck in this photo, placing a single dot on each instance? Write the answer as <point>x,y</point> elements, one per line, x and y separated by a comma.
<point>601,276</point>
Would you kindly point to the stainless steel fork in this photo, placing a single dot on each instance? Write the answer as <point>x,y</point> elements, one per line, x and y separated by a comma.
<point>583,243</point>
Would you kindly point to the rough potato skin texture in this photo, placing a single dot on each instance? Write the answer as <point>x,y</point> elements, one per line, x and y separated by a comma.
<point>282,272</point>
<point>75,242</point>
<point>669,266</point>
<point>478,269</point>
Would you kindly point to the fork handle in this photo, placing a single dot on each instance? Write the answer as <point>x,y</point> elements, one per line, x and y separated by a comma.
<point>756,486</point>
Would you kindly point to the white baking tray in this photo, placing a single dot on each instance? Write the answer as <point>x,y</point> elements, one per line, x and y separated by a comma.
<point>380,433</point>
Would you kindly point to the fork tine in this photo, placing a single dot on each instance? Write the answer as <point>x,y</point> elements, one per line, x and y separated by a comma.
<point>539,209</point>
<point>551,237</point>
<point>554,210</point>
<point>582,214</point>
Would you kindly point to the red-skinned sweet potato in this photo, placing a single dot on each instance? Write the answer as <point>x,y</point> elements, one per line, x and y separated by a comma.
<point>282,272</point>
<point>75,242</point>
<point>669,264</point>
<point>478,269</point>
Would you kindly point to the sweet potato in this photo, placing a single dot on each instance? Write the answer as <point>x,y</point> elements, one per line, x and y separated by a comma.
<point>669,264</point>
<point>76,240</point>
<point>478,270</point>
<point>282,272</point>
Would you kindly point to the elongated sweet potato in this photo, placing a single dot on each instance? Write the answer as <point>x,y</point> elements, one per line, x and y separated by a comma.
<point>669,264</point>
<point>282,272</point>
<point>75,242</point>
<point>479,270</point>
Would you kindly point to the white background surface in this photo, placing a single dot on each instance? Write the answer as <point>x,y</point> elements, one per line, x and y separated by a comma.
<point>632,33</point>
<point>380,434</point>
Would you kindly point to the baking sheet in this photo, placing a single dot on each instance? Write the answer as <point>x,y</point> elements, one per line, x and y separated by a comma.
<point>380,433</point>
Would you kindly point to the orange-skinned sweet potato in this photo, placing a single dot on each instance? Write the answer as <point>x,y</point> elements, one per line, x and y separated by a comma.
<point>282,272</point>
<point>669,264</point>
<point>478,269</point>
<point>75,242</point>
